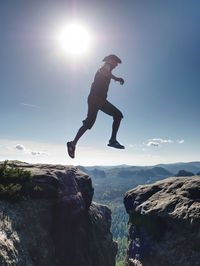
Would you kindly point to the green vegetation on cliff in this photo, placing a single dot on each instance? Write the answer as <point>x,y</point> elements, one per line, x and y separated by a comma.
<point>119,221</point>
<point>15,183</point>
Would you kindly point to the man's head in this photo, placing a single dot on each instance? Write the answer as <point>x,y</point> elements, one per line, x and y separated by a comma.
<point>112,60</point>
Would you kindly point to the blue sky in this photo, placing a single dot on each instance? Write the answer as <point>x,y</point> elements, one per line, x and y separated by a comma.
<point>43,96</point>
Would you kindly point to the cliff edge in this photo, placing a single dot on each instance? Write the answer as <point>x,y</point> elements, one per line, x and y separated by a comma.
<point>58,225</point>
<point>164,224</point>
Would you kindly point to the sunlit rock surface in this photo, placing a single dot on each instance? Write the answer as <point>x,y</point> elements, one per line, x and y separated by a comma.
<point>59,225</point>
<point>164,226</point>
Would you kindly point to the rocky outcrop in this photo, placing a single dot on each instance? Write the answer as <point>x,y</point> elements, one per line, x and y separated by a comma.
<point>164,225</point>
<point>184,173</point>
<point>58,225</point>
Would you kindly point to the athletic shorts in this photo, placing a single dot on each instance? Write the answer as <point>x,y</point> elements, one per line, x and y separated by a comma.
<point>94,105</point>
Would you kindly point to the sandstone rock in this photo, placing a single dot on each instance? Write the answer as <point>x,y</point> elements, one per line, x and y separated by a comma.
<point>58,225</point>
<point>164,225</point>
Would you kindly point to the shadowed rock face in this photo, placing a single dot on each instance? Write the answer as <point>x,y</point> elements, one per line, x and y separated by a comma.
<point>59,225</point>
<point>164,225</point>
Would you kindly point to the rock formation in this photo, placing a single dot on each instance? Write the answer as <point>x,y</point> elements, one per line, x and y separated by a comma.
<point>164,225</point>
<point>184,173</point>
<point>58,225</point>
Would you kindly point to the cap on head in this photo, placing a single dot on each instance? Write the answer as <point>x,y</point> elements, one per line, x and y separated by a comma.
<point>112,58</point>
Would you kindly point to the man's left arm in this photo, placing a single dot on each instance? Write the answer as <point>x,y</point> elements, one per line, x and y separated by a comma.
<point>106,72</point>
<point>120,80</point>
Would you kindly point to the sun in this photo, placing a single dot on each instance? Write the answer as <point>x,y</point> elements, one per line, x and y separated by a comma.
<point>75,39</point>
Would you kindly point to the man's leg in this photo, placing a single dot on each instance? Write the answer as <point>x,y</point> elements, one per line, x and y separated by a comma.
<point>111,110</point>
<point>87,124</point>
<point>115,127</point>
<point>71,145</point>
<point>79,134</point>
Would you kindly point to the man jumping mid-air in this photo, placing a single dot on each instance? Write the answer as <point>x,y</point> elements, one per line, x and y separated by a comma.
<point>97,101</point>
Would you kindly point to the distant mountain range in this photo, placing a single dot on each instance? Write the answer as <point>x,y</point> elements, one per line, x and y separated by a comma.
<point>193,167</point>
<point>123,177</point>
<point>145,171</point>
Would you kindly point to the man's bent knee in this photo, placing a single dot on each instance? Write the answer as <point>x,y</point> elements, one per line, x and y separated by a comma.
<point>118,116</point>
<point>88,124</point>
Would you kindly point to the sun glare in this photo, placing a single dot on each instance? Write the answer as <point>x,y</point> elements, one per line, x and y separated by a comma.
<point>75,40</point>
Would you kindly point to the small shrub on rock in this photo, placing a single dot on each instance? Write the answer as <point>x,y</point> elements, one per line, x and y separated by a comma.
<point>15,183</point>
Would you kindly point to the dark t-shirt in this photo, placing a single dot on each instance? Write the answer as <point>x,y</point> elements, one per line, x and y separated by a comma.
<point>100,85</point>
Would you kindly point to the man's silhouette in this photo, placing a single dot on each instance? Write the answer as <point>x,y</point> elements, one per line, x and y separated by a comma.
<point>97,101</point>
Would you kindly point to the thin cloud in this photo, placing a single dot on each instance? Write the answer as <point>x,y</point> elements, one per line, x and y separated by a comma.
<point>20,147</point>
<point>181,141</point>
<point>35,153</point>
<point>30,105</point>
<point>156,142</point>
<point>152,143</point>
<point>38,153</point>
<point>163,140</point>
